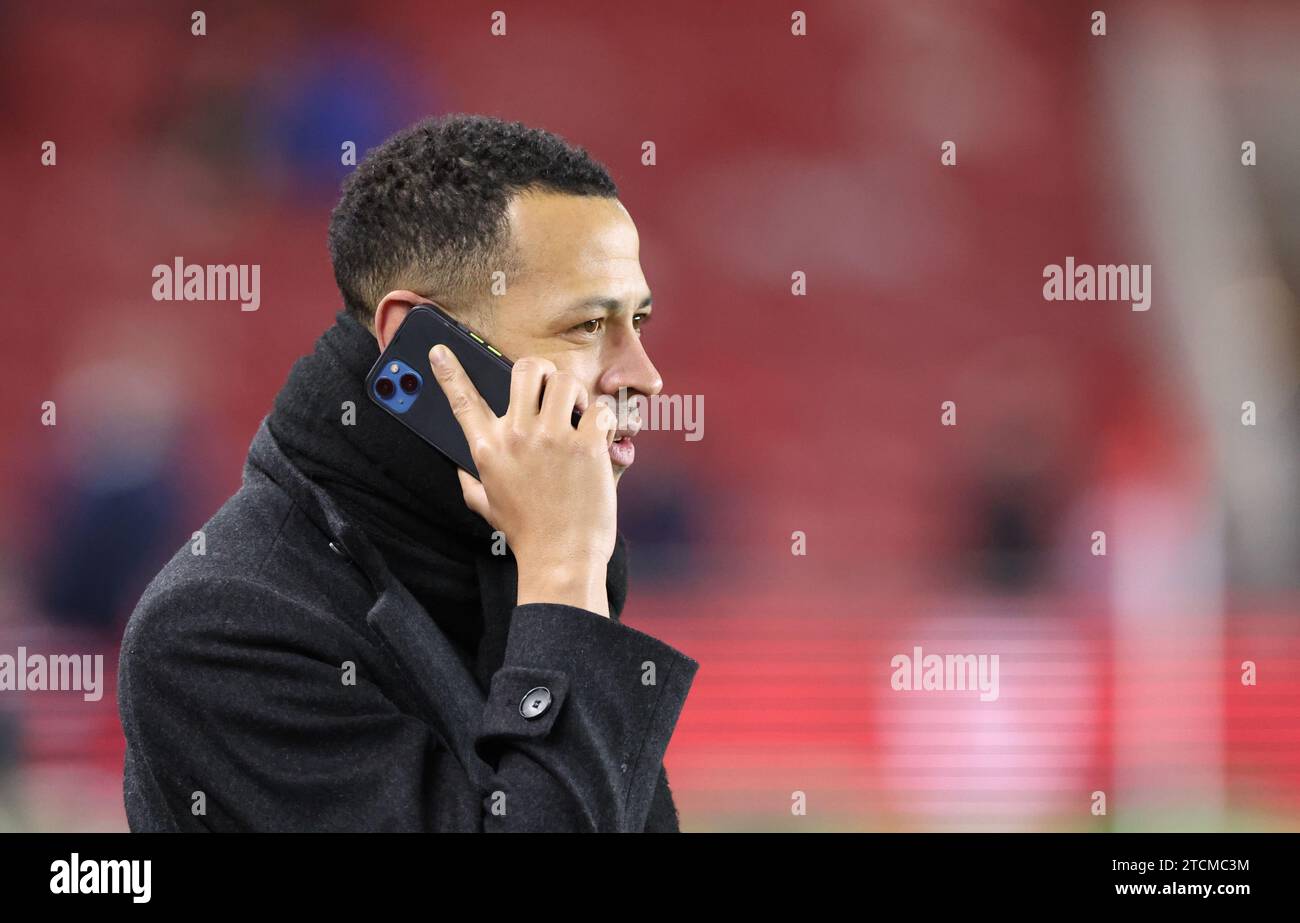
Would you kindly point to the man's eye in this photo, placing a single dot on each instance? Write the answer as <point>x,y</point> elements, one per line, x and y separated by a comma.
<point>588,328</point>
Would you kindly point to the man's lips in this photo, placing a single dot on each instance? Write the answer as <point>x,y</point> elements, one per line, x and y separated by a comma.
<point>622,451</point>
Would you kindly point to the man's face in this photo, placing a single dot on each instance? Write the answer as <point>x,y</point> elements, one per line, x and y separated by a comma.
<point>580,299</point>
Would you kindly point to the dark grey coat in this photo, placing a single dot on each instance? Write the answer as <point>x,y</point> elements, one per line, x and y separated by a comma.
<point>285,681</point>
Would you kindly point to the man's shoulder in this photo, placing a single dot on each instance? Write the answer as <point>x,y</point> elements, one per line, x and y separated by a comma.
<point>257,565</point>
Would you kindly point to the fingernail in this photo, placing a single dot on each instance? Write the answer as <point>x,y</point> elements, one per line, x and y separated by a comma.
<point>438,355</point>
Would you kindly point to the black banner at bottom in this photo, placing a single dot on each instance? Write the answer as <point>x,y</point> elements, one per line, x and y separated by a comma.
<point>334,872</point>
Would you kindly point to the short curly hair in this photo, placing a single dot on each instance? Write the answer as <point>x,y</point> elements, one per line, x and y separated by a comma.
<point>426,210</point>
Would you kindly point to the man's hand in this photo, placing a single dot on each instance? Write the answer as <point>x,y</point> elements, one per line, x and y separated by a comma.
<point>547,486</point>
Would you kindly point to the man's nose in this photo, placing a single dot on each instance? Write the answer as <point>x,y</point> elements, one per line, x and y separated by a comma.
<point>630,367</point>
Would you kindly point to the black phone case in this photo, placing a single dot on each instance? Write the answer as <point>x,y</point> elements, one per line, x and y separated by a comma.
<point>430,416</point>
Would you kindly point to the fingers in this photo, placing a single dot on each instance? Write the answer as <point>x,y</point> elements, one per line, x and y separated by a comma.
<point>527,378</point>
<point>471,411</point>
<point>599,423</point>
<point>563,392</point>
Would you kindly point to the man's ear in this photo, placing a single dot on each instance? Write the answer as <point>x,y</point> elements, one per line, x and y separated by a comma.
<point>390,313</point>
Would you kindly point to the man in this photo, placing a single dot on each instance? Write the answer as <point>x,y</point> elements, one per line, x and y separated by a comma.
<point>348,652</point>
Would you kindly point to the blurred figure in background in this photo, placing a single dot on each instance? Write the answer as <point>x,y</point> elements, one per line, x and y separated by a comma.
<point>118,499</point>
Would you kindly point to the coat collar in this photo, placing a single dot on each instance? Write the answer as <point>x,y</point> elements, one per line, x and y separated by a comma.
<point>451,698</point>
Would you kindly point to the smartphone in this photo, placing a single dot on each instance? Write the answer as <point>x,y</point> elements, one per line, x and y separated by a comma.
<point>402,382</point>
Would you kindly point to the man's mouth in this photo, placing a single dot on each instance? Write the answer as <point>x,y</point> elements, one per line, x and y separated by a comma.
<point>621,450</point>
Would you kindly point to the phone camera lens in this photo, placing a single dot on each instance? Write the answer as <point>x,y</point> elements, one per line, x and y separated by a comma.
<point>410,384</point>
<point>384,387</point>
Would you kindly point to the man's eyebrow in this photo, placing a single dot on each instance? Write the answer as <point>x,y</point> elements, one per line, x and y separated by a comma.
<point>609,304</point>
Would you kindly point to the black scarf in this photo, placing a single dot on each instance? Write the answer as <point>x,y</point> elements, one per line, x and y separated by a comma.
<point>406,497</point>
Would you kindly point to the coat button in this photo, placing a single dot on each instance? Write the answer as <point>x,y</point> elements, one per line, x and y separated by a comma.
<point>535,702</point>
